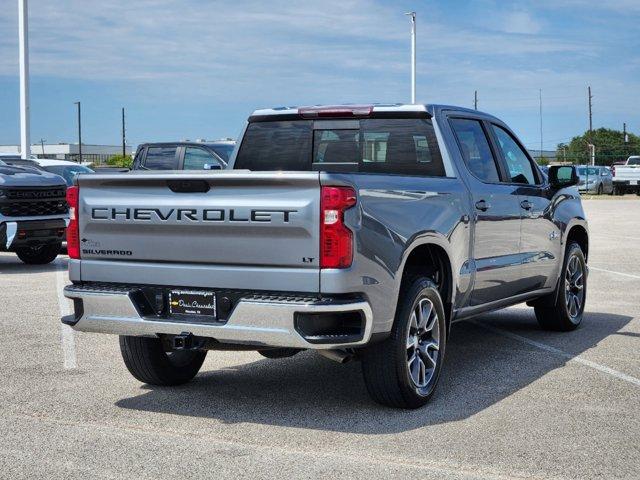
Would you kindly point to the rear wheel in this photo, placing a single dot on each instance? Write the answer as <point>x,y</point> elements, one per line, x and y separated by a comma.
<point>570,296</point>
<point>39,255</point>
<point>403,370</point>
<point>151,362</point>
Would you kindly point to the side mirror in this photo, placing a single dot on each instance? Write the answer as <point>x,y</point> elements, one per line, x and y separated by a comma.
<point>561,176</point>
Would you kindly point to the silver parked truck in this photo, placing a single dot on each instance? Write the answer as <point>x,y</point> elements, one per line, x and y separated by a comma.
<point>361,232</point>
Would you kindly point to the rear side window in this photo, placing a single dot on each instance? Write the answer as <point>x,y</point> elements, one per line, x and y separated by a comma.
<point>160,158</point>
<point>394,146</point>
<point>276,146</point>
<point>475,149</point>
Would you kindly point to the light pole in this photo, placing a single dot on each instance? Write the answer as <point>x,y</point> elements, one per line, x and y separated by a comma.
<point>79,133</point>
<point>413,55</point>
<point>23,34</point>
<point>124,147</point>
<point>42,140</point>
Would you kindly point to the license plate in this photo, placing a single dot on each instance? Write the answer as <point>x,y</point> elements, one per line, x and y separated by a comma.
<point>193,303</point>
<point>633,182</point>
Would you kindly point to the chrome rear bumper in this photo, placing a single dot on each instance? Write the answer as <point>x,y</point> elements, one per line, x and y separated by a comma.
<point>254,320</point>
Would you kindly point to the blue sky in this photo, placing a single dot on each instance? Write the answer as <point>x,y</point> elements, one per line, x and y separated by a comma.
<point>196,68</point>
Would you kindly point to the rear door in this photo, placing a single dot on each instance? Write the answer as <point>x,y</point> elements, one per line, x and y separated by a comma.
<point>216,229</point>
<point>496,244</point>
<point>540,246</point>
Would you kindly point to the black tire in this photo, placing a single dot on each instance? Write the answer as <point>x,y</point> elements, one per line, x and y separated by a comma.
<point>39,255</point>
<point>149,362</point>
<point>279,352</point>
<point>563,315</point>
<point>385,365</point>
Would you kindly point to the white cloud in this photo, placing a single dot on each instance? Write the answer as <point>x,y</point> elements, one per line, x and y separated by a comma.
<point>521,22</point>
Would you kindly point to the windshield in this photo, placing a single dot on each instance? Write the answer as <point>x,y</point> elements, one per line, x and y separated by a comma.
<point>582,171</point>
<point>633,161</point>
<point>223,150</point>
<point>68,172</point>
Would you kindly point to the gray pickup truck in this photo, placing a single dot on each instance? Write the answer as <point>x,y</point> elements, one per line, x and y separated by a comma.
<point>357,231</point>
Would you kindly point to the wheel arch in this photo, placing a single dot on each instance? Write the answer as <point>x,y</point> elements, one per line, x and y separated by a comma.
<point>430,257</point>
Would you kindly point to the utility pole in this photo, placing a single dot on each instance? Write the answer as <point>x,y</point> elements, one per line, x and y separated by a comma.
<point>541,142</point>
<point>124,148</point>
<point>42,140</point>
<point>79,133</point>
<point>413,55</point>
<point>590,140</point>
<point>590,115</point>
<point>23,34</point>
<point>475,99</point>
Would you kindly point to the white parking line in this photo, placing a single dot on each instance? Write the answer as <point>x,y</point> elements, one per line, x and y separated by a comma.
<point>630,275</point>
<point>556,351</point>
<point>67,335</point>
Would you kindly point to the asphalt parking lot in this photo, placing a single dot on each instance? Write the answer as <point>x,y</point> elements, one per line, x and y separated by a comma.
<point>515,402</point>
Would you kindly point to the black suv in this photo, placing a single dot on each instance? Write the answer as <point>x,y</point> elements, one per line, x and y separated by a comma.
<point>33,213</point>
<point>183,156</point>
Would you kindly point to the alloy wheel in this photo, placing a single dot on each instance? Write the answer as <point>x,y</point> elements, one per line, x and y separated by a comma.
<point>423,343</point>
<point>574,287</point>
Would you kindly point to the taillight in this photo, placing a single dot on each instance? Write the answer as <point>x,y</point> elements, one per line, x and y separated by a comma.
<point>336,240</point>
<point>613,170</point>
<point>73,230</point>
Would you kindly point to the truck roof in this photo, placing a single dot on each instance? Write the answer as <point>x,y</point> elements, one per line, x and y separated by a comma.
<point>358,110</point>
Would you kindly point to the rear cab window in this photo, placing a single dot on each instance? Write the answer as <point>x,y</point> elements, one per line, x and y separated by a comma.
<point>405,146</point>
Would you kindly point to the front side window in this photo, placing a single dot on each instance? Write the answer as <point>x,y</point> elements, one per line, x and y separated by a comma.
<point>475,149</point>
<point>196,158</point>
<point>160,158</point>
<point>224,150</point>
<point>518,163</point>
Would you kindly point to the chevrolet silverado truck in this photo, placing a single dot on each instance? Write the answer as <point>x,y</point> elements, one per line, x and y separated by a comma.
<point>33,213</point>
<point>357,231</point>
<point>626,177</point>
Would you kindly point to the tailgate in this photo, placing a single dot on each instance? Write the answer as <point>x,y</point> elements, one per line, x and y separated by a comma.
<point>230,229</point>
<point>627,172</point>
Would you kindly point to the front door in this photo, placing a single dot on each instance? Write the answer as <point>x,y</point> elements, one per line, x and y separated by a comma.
<point>540,242</point>
<point>496,242</point>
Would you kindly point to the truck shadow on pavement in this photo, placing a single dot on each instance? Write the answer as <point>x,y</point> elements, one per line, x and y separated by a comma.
<point>482,368</point>
<point>10,264</point>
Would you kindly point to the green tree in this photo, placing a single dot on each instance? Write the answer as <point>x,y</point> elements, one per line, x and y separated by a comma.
<point>610,147</point>
<point>120,161</point>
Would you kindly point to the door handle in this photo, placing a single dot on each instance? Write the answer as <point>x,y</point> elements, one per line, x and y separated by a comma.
<point>526,204</point>
<point>482,205</point>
